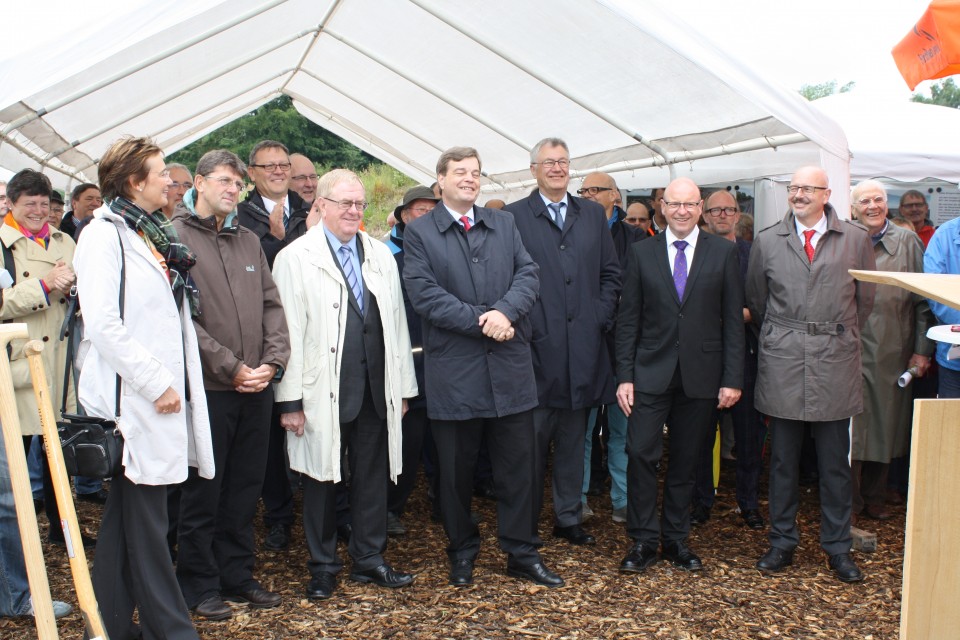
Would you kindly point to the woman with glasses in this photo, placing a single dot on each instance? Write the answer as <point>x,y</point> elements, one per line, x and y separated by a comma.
<point>134,287</point>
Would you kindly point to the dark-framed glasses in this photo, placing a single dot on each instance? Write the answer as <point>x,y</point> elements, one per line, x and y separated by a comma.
<point>563,163</point>
<point>592,190</point>
<point>718,212</point>
<point>270,167</point>
<point>808,190</point>
<point>675,206</point>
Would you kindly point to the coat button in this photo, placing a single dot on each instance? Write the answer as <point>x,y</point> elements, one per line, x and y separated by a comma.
<point>569,318</point>
<point>676,345</point>
<point>39,306</point>
<point>569,280</point>
<point>489,352</point>
<point>331,395</point>
<point>333,349</point>
<point>336,305</point>
<point>34,307</point>
<point>26,274</point>
<point>63,301</point>
<point>679,315</point>
<point>562,247</point>
<point>475,260</point>
<point>66,334</point>
<point>46,338</point>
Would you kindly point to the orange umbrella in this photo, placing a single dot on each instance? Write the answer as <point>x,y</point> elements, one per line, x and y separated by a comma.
<point>932,48</point>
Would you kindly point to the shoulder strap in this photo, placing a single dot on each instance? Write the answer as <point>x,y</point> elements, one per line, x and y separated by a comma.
<point>8,260</point>
<point>71,319</point>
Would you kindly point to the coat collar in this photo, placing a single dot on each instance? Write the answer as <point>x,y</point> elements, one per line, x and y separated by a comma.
<point>444,219</point>
<point>788,225</point>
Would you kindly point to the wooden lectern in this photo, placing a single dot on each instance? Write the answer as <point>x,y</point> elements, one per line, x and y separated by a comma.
<point>931,565</point>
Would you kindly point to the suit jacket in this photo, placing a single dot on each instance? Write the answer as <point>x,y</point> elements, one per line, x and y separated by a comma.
<point>252,215</point>
<point>579,287</point>
<point>703,332</point>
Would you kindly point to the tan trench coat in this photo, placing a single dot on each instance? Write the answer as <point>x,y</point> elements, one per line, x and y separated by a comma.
<point>25,302</point>
<point>803,375</point>
<point>896,330</point>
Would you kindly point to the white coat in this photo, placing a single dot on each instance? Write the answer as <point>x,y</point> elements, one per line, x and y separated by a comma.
<point>314,299</point>
<point>147,348</point>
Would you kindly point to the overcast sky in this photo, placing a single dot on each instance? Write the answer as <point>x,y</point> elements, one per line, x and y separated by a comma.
<point>812,41</point>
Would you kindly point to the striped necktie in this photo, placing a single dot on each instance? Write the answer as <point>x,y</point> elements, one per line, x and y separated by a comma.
<point>352,280</point>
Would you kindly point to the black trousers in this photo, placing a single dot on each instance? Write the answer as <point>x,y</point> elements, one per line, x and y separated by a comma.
<point>832,439</point>
<point>689,420</point>
<point>510,440</point>
<point>567,430</point>
<point>132,566</point>
<point>216,547</point>
<point>365,442</point>
<point>276,493</point>
<point>415,425</point>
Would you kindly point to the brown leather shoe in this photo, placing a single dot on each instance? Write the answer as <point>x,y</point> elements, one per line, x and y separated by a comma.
<point>213,608</point>
<point>256,598</point>
<point>876,512</point>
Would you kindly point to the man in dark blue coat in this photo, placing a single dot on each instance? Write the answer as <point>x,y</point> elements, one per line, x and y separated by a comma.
<point>473,285</point>
<point>569,239</point>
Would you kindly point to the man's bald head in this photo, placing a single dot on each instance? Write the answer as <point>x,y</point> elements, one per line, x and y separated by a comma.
<point>303,177</point>
<point>602,189</point>
<point>722,214</point>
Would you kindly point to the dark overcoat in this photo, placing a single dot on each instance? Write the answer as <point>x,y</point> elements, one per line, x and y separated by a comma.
<point>579,288</point>
<point>452,277</point>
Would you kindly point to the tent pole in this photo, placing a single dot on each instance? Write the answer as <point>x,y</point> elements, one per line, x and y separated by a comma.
<point>466,110</point>
<point>579,100</point>
<point>40,161</point>
<point>86,91</point>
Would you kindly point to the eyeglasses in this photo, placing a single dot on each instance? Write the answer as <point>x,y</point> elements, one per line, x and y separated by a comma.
<point>420,210</point>
<point>270,167</point>
<point>592,190</point>
<point>225,182</point>
<point>344,205</point>
<point>180,185</point>
<point>866,202</point>
<point>563,163</point>
<point>807,189</point>
<point>717,212</point>
<point>913,205</point>
<point>674,206</point>
<point>636,220</point>
<point>311,177</point>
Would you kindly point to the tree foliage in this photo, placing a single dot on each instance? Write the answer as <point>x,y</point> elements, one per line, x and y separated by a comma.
<point>278,120</point>
<point>946,93</point>
<point>823,89</point>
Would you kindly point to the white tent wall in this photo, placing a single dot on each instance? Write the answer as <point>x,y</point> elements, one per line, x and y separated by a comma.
<point>405,79</point>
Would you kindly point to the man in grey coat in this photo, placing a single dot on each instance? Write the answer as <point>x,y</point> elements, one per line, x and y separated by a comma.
<point>811,312</point>
<point>473,284</point>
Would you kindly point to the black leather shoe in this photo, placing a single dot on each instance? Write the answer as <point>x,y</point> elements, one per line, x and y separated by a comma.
<point>485,490</point>
<point>574,534</point>
<point>213,608</point>
<point>753,519</point>
<point>344,532</point>
<point>699,514</point>
<point>278,538</point>
<point>395,525</point>
<point>321,586</point>
<point>680,555</point>
<point>535,572</point>
<point>775,560</point>
<point>845,568</point>
<point>97,497</point>
<point>88,542</point>
<point>639,558</point>
<point>382,576</point>
<point>256,598</point>
<point>461,572</point>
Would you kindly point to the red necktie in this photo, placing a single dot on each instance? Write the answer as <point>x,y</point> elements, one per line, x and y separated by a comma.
<point>807,245</point>
<point>466,222</point>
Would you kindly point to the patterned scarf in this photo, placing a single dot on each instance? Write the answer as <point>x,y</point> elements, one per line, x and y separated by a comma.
<point>160,234</point>
<point>42,237</point>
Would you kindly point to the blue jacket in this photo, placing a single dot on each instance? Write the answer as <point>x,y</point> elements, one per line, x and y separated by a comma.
<point>943,256</point>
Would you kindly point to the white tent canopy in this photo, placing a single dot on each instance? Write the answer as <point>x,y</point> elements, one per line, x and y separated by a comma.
<point>901,141</point>
<point>632,88</point>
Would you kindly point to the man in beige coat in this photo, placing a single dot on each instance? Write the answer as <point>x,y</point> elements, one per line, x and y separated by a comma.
<point>810,311</point>
<point>347,382</point>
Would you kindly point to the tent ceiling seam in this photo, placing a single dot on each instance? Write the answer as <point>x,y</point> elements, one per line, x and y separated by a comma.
<point>41,111</point>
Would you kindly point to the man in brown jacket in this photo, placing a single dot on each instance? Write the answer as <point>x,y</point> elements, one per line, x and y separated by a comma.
<point>810,311</point>
<point>244,346</point>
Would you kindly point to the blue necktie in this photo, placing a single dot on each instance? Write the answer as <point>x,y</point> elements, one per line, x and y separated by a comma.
<point>352,280</point>
<point>680,268</point>
<point>557,209</point>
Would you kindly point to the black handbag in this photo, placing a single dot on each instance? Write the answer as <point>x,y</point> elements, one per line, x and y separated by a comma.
<point>92,446</point>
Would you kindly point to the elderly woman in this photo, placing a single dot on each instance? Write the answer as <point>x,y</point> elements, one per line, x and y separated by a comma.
<point>36,259</point>
<point>163,413</point>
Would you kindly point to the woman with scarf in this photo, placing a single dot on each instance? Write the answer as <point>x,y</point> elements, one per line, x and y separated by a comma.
<point>136,297</point>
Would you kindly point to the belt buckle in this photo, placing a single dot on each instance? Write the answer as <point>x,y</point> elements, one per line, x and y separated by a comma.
<point>812,328</point>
